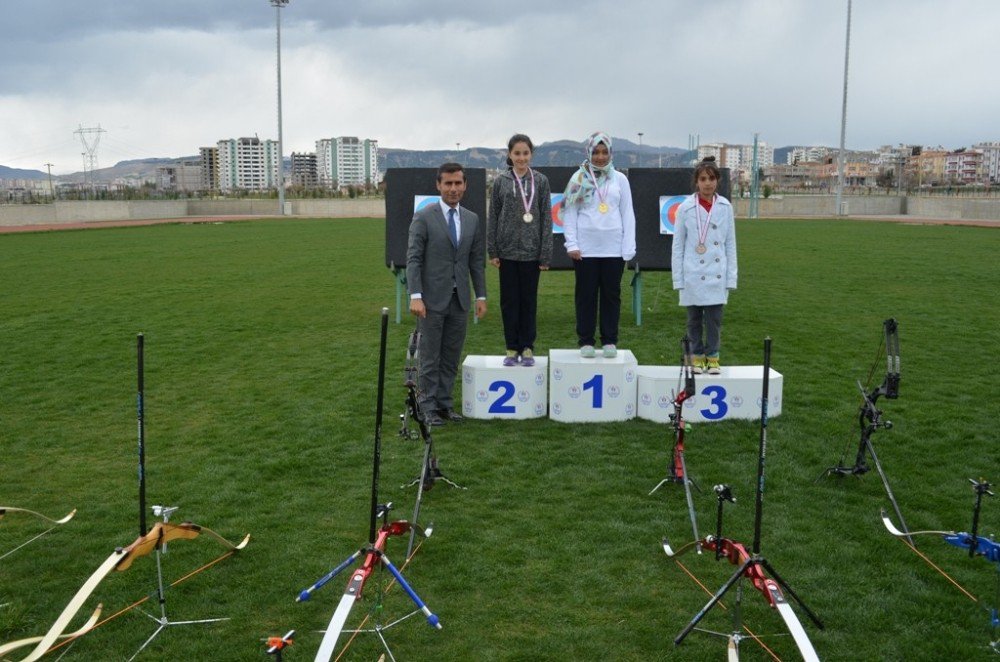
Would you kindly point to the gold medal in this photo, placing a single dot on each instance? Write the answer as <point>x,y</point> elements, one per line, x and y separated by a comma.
<point>603,208</point>
<point>528,218</point>
<point>700,249</point>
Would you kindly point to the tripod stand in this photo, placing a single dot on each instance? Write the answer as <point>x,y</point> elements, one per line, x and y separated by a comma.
<point>163,621</point>
<point>430,472</point>
<point>677,469</point>
<point>753,565</point>
<point>870,419</point>
<point>374,551</point>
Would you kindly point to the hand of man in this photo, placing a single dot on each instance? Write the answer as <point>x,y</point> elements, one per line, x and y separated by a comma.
<point>543,267</point>
<point>480,308</point>
<point>417,308</point>
<point>575,255</point>
<point>495,262</point>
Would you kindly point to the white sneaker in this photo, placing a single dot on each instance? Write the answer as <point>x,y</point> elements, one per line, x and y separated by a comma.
<point>587,352</point>
<point>610,351</point>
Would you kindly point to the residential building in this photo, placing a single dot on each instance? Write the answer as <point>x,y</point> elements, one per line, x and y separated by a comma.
<point>209,168</point>
<point>304,169</point>
<point>346,161</point>
<point>990,173</point>
<point>807,155</point>
<point>248,164</point>
<point>738,158</point>
<point>962,166</point>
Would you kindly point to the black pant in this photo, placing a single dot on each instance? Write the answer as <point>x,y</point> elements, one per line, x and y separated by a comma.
<point>519,303</point>
<point>598,277</point>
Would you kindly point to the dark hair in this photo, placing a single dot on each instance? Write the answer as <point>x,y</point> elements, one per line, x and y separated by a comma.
<point>707,164</point>
<point>518,138</point>
<point>448,168</point>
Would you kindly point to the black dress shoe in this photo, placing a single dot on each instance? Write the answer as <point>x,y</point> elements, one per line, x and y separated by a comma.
<point>450,415</point>
<point>432,419</point>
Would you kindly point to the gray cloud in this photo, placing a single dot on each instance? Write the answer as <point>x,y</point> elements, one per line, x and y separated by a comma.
<point>166,78</point>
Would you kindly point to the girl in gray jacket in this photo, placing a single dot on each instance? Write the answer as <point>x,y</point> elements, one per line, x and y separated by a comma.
<point>519,243</point>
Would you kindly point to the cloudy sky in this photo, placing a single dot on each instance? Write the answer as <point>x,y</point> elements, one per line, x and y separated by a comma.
<point>165,78</point>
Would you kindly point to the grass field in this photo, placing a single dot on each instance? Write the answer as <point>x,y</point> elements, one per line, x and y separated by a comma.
<point>261,359</point>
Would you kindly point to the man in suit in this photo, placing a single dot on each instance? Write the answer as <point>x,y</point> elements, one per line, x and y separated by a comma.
<point>446,249</point>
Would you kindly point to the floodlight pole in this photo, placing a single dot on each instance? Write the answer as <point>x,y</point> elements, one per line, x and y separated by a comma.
<point>843,118</point>
<point>640,149</point>
<point>278,4</point>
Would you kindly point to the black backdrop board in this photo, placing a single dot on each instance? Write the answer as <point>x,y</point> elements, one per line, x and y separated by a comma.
<point>648,184</point>
<point>401,184</point>
<point>558,179</point>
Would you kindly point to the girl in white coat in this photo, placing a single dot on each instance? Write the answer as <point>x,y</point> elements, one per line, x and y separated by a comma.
<point>599,229</point>
<point>704,264</point>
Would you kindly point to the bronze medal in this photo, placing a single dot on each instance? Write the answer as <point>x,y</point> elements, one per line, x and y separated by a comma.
<point>700,249</point>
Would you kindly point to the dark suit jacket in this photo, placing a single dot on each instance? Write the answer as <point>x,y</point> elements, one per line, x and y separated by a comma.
<point>434,266</point>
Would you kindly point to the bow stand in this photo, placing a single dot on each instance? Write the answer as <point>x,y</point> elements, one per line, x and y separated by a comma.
<point>752,564</point>
<point>430,472</point>
<point>870,418</point>
<point>373,551</point>
<point>164,512</point>
<point>677,469</point>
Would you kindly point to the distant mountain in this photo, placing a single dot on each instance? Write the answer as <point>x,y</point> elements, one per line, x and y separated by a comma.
<point>17,173</point>
<point>556,153</point>
<point>140,169</point>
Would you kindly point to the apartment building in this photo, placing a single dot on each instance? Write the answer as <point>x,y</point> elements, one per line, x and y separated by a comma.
<point>346,161</point>
<point>962,166</point>
<point>209,168</point>
<point>990,170</point>
<point>738,158</point>
<point>247,164</point>
<point>304,169</point>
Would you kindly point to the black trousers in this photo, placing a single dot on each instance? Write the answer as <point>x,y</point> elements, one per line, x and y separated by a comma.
<point>519,303</point>
<point>598,278</point>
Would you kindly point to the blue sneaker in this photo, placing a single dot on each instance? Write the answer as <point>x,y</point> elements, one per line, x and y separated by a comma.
<point>511,358</point>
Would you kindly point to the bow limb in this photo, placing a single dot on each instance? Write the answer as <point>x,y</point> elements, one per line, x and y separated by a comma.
<point>85,628</point>
<point>9,509</point>
<point>683,549</point>
<point>119,560</point>
<point>75,605</point>
<point>899,534</point>
<point>902,536</point>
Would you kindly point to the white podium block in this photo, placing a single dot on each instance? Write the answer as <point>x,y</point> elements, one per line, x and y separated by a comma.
<point>735,393</point>
<point>591,390</point>
<point>492,390</point>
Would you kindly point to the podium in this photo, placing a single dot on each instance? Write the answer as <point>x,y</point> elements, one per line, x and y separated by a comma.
<point>591,390</point>
<point>733,394</point>
<point>492,390</point>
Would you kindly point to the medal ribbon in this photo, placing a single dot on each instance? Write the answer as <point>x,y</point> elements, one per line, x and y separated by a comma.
<point>703,228</point>
<point>520,189</point>
<point>601,195</point>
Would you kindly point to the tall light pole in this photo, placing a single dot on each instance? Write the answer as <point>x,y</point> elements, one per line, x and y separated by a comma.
<point>278,4</point>
<point>843,118</point>
<point>640,149</point>
<point>52,191</point>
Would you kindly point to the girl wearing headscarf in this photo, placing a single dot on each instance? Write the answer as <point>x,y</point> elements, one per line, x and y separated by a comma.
<point>599,229</point>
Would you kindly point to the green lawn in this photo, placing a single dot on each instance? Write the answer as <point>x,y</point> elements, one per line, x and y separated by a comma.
<point>261,362</point>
